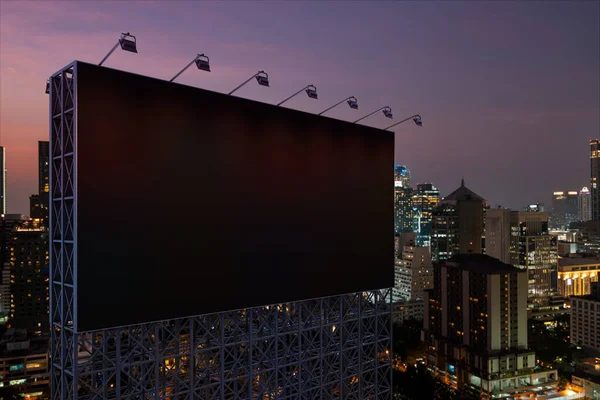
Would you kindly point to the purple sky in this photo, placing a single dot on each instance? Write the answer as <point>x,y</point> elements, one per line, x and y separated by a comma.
<point>509,91</point>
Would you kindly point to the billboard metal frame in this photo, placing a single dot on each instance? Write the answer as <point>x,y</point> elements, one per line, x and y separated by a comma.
<point>336,347</point>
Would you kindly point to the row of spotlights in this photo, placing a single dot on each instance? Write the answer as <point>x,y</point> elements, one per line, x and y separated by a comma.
<point>128,42</point>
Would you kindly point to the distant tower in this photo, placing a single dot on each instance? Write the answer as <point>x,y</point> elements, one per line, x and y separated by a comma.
<point>458,224</point>
<point>44,178</point>
<point>403,200</point>
<point>595,175</point>
<point>585,204</point>
<point>564,209</point>
<point>425,199</point>
<point>2,181</point>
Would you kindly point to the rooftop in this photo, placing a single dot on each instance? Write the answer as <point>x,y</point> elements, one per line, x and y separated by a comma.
<point>569,261</point>
<point>481,263</point>
<point>463,193</point>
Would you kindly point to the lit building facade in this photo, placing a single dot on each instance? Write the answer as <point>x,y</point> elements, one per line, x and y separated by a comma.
<point>24,365</point>
<point>413,274</point>
<point>565,209</point>
<point>585,321</point>
<point>595,176</point>
<point>403,200</point>
<point>585,204</point>
<point>475,328</point>
<point>536,252</point>
<point>29,277</point>
<point>426,198</point>
<point>457,224</point>
<point>576,275</point>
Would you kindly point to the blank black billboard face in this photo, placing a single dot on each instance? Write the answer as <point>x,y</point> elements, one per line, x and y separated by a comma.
<point>192,202</point>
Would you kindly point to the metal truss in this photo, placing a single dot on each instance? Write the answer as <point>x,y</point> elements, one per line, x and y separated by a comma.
<point>336,347</point>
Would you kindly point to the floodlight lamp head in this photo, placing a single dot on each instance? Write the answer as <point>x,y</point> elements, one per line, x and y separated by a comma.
<point>418,121</point>
<point>48,86</point>
<point>353,103</point>
<point>311,91</point>
<point>128,42</point>
<point>262,78</point>
<point>388,112</point>
<point>202,62</point>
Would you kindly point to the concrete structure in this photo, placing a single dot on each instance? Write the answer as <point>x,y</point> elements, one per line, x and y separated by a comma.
<point>457,225</point>
<point>585,204</point>
<point>588,384</point>
<point>425,199</point>
<point>413,274</point>
<point>585,321</point>
<point>406,310</point>
<point>576,274</point>
<point>475,328</point>
<point>498,239</point>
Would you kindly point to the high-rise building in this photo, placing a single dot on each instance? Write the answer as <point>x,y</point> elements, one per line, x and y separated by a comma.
<point>498,235</point>
<point>585,204</point>
<point>535,251</point>
<point>29,276</point>
<point>565,209</point>
<point>595,177</point>
<point>585,321</point>
<point>413,274</point>
<point>457,224</point>
<point>44,167</point>
<point>39,203</point>
<point>402,175</point>
<point>2,180</point>
<point>535,207</point>
<point>425,199</point>
<point>475,327</point>
<point>403,200</point>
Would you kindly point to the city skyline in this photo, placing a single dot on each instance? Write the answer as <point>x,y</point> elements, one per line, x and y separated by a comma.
<point>501,76</point>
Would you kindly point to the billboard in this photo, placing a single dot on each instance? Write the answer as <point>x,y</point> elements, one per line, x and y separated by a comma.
<point>192,202</point>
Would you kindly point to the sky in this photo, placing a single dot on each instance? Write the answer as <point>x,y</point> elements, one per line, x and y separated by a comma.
<point>509,91</point>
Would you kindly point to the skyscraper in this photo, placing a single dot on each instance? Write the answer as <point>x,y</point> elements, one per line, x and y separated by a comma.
<point>425,199</point>
<point>403,200</point>
<point>402,175</point>
<point>29,274</point>
<point>2,180</point>
<point>475,327</point>
<point>595,176</point>
<point>565,209</point>
<point>44,178</point>
<point>535,251</point>
<point>585,204</point>
<point>457,225</point>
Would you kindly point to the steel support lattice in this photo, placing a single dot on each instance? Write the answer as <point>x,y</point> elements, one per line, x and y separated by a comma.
<point>334,347</point>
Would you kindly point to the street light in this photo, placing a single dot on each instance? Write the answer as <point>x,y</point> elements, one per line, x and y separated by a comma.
<point>387,111</point>
<point>352,102</point>
<point>127,42</point>
<point>311,91</point>
<point>416,119</point>
<point>201,61</point>
<point>261,77</point>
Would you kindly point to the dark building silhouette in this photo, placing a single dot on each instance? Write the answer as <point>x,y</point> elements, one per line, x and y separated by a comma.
<point>39,203</point>
<point>595,175</point>
<point>29,276</point>
<point>457,224</point>
<point>2,180</point>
